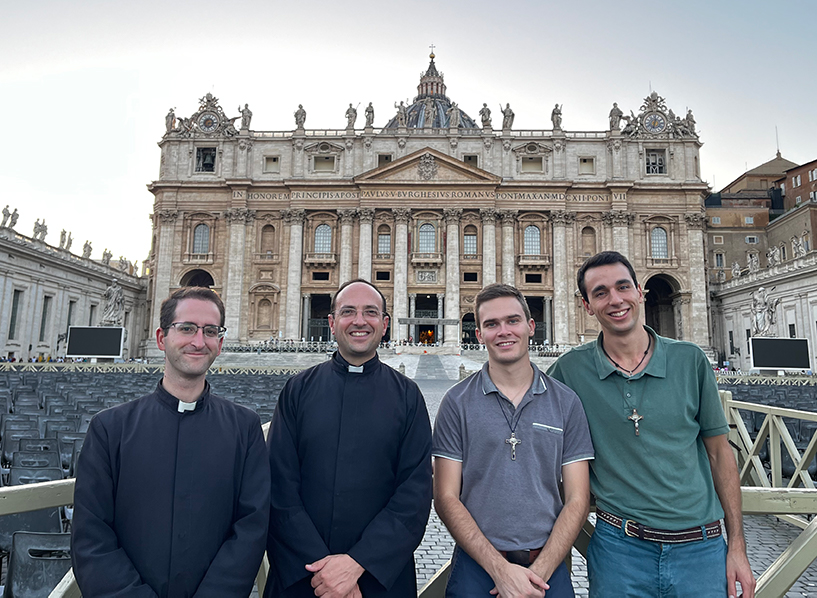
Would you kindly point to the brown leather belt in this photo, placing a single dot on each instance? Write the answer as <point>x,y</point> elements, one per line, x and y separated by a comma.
<point>642,532</point>
<point>520,557</point>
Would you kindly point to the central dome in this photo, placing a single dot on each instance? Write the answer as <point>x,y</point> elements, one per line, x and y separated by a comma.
<point>429,109</point>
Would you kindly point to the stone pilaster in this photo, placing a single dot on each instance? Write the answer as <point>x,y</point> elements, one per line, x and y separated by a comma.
<point>620,221</point>
<point>488,246</point>
<point>165,221</point>
<point>561,289</point>
<point>412,302</point>
<point>295,220</point>
<point>549,319</point>
<point>364,258</point>
<point>697,278</point>
<point>306,310</point>
<point>452,273</point>
<point>244,158</point>
<point>401,220</point>
<point>508,252</point>
<point>440,306</point>
<point>347,222</point>
<point>237,219</point>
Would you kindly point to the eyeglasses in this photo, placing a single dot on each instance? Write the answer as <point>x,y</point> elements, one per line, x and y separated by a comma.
<point>347,313</point>
<point>190,329</point>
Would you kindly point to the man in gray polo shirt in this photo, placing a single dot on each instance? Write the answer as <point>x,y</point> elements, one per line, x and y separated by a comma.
<point>503,439</point>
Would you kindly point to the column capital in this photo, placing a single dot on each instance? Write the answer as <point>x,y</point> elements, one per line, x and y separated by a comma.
<point>488,215</point>
<point>293,216</point>
<point>695,220</point>
<point>401,215</point>
<point>412,295</point>
<point>242,215</point>
<point>167,216</point>
<point>508,217</point>
<point>347,215</point>
<point>617,218</point>
<point>366,215</point>
<point>452,215</point>
<point>562,217</point>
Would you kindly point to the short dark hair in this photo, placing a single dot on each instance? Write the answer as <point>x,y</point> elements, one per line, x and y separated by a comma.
<point>168,309</point>
<point>497,290</point>
<point>351,282</point>
<point>604,258</point>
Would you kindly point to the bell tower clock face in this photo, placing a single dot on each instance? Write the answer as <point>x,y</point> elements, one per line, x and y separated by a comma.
<point>654,122</point>
<point>208,122</point>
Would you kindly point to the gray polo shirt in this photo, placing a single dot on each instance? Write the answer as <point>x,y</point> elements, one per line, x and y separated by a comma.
<point>514,503</point>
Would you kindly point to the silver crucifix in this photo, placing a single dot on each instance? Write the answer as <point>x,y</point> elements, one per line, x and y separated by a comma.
<point>513,441</point>
<point>635,418</point>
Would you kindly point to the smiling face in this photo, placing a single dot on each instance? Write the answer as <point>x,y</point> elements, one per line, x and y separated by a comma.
<point>189,357</point>
<point>358,335</point>
<point>504,330</point>
<point>613,298</point>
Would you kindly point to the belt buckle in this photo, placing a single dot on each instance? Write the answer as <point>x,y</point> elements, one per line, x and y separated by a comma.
<point>639,532</point>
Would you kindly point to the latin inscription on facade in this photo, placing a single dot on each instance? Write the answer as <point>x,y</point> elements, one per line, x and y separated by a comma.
<point>575,197</point>
<point>256,195</point>
<point>324,195</point>
<point>427,195</point>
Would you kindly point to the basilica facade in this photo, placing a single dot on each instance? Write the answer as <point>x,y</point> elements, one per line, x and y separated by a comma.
<point>430,207</point>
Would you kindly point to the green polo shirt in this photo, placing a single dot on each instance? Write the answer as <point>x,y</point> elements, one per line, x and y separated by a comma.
<point>660,478</point>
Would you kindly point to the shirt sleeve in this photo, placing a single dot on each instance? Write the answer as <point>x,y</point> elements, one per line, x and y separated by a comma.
<point>101,567</point>
<point>389,540</point>
<point>234,568</point>
<point>293,540</point>
<point>577,443</point>
<point>447,441</point>
<point>710,417</point>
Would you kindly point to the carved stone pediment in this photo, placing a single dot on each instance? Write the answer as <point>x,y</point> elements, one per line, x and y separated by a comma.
<point>532,148</point>
<point>324,148</point>
<point>428,165</point>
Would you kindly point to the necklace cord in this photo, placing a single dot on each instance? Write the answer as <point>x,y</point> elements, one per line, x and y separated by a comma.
<point>638,365</point>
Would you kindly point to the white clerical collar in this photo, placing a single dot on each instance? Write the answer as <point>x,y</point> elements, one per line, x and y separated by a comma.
<point>187,406</point>
<point>355,369</point>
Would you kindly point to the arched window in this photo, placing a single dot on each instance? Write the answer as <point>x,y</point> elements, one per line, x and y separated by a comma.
<point>383,239</point>
<point>264,314</point>
<point>658,243</point>
<point>323,239</point>
<point>201,239</point>
<point>532,242</point>
<point>469,240</point>
<point>268,239</point>
<point>427,242</point>
<point>588,241</point>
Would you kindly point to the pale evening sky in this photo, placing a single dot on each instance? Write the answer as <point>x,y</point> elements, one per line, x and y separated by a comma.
<point>85,85</point>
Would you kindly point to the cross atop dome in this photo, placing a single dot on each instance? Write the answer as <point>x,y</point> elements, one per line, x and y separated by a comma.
<point>431,83</point>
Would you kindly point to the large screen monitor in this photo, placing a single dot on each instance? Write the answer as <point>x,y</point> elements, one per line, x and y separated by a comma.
<point>95,341</point>
<point>780,353</point>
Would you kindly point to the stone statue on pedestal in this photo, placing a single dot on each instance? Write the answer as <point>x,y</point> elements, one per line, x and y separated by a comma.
<point>369,115</point>
<point>86,250</point>
<point>485,114</point>
<point>615,117</point>
<point>170,121</point>
<point>453,114</point>
<point>735,270</point>
<point>556,117</point>
<point>114,308</point>
<point>754,263</point>
<point>351,116</point>
<point>763,312</point>
<point>773,256</point>
<point>6,216</point>
<point>68,242</point>
<point>402,117</point>
<point>429,113</point>
<point>106,257</point>
<point>246,116</point>
<point>300,117</point>
<point>14,217</point>
<point>798,246</point>
<point>62,239</point>
<point>507,116</point>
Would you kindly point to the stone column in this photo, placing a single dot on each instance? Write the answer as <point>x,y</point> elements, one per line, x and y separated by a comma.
<point>413,328</point>
<point>233,291</point>
<point>306,310</point>
<point>620,221</point>
<point>508,252</point>
<point>488,246</point>
<point>452,274</point>
<point>438,333</point>
<point>364,257</point>
<point>165,221</point>
<point>401,220</point>
<point>6,294</point>
<point>561,279</point>
<point>243,166</point>
<point>549,319</point>
<point>295,220</point>
<point>698,306</point>
<point>347,221</point>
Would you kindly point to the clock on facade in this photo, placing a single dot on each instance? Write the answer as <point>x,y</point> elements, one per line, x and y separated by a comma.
<point>208,122</point>
<point>654,122</point>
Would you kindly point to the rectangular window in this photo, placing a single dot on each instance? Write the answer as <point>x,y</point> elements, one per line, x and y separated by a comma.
<point>533,278</point>
<point>656,162</point>
<point>91,315</point>
<point>751,240</point>
<point>469,244</point>
<point>716,219</point>
<point>384,243</point>
<point>731,343</point>
<point>717,240</point>
<point>324,163</point>
<point>587,166</point>
<point>811,195</point>
<point>792,331</point>
<point>748,342</point>
<point>383,159</point>
<point>71,306</point>
<point>470,159</point>
<point>320,276</point>
<point>272,164</point>
<point>783,188</point>
<point>469,277</point>
<point>380,275</point>
<point>798,199</point>
<point>719,260</point>
<point>44,317</point>
<point>532,164</point>
<point>748,219</point>
<point>205,159</point>
<point>15,311</point>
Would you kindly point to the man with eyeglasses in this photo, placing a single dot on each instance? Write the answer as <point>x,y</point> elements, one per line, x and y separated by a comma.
<point>172,491</point>
<point>350,456</point>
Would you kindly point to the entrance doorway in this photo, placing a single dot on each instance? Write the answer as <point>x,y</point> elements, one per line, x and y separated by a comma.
<point>469,330</point>
<point>197,278</point>
<point>658,312</point>
<point>536,305</point>
<point>425,306</point>
<point>318,328</point>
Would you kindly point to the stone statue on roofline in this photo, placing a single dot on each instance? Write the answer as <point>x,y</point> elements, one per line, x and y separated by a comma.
<point>556,117</point>
<point>106,257</point>
<point>170,121</point>
<point>369,115</point>
<point>86,250</point>
<point>246,116</point>
<point>300,117</point>
<point>763,312</point>
<point>351,116</point>
<point>6,216</point>
<point>14,217</point>
<point>507,116</point>
<point>735,270</point>
<point>485,114</point>
<point>402,116</point>
<point>615,117</point>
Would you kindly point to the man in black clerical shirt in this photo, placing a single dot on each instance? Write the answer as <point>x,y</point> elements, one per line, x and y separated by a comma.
<point>172,491</point>
<point>350,456</point>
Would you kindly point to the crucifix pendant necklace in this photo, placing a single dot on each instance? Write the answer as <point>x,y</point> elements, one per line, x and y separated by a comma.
<point>634,416</point>
<point>513,440</point>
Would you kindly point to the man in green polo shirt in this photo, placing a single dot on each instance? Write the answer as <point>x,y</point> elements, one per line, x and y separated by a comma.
<point>664,473</point>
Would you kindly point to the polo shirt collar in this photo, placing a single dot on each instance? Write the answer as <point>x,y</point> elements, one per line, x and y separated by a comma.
<point>657,366</point>
<point>537,388</point>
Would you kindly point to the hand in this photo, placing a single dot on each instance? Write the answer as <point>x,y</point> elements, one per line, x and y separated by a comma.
<point>355,593</point>
<point>335,576</point>
<point>737,568</point>
<point>515,581</point>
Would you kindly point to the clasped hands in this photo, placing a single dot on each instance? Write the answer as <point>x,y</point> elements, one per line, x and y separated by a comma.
<point>335,576</point>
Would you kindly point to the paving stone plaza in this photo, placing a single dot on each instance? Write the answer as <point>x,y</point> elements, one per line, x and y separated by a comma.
<point>766,536</point>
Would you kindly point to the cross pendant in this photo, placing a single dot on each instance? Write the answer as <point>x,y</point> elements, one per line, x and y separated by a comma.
<point>513,441</point>
<point>635,418</point>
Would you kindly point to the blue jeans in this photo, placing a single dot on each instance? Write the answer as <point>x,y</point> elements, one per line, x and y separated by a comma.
<point>468,579</point>
<point>619,566</point>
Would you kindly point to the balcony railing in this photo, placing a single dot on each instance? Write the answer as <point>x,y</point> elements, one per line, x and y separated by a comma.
<point>534,261</point>
<point>321,258</point>
<point>198,258</point>
<point>266,257</point>
<point>427,258</point>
